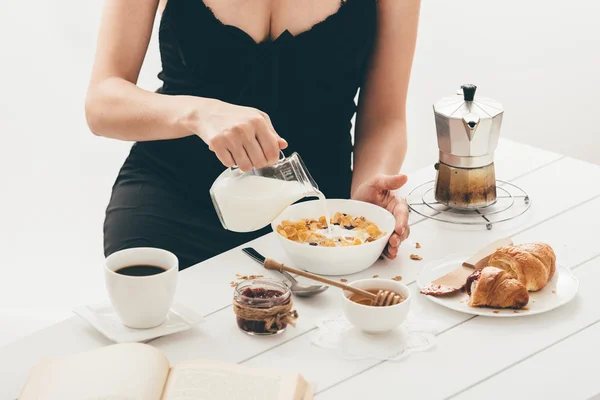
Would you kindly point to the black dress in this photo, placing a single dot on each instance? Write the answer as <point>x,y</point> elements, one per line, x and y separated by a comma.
<point>305,83</point>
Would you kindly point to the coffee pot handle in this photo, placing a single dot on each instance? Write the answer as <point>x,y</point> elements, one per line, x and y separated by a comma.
<point>469,92</point>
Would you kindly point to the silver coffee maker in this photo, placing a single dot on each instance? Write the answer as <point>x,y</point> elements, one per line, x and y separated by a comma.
<point>468,129</point>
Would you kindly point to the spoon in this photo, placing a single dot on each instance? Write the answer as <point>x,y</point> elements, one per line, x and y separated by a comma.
<point>297,288</point>
<point>381,299</point>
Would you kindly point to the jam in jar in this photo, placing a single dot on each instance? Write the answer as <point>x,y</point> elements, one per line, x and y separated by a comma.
<point>262,306</point>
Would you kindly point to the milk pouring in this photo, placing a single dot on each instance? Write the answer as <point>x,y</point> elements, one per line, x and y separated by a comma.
<point>247,202</point>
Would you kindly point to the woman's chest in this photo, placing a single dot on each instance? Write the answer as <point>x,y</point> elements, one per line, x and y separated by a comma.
<point>265,20</point>
<point>234,49</point>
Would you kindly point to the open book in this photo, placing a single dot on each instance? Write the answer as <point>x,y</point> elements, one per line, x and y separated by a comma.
<point>136,371</point>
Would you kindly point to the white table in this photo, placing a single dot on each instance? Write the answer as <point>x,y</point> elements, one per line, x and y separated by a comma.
<point>550,356</point>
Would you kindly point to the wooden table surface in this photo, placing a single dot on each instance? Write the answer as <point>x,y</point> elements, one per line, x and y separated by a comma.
<point>548,356</point>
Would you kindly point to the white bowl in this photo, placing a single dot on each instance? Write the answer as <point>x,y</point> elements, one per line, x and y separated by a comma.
<point>377,320</point>
<point>335,260</point>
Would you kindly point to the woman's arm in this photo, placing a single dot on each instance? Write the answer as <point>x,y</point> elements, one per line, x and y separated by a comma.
<point>380,136</point>
<point>116,108</point>
<point>380,142</point>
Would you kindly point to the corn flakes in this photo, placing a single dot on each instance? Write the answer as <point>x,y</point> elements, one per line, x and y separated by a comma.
<point>347,231</point>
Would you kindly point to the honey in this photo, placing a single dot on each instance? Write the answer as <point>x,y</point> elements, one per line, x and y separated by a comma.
<point>365,301</point>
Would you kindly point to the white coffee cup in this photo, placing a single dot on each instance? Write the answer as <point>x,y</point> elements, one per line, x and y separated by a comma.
<point>141,301</point>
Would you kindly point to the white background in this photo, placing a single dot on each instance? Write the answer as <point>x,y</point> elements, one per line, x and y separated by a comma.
<point>541,59</point>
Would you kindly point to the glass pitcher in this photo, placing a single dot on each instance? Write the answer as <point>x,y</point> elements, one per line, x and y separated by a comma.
<point>249,201</point>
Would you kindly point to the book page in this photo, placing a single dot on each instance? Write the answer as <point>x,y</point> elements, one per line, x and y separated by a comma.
<point>118,372</point>
<point>210,380</point>
<point>309,393</point>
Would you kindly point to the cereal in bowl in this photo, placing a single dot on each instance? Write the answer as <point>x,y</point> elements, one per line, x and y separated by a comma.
<point>346,230</point>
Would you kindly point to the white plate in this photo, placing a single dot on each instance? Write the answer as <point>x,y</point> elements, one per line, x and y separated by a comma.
<point>560,290</point>
<point>104,318</point>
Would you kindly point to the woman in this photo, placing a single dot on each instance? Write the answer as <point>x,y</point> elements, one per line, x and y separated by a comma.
<point>241,79</point>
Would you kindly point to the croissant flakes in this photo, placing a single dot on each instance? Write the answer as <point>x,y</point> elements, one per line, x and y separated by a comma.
<point>494,287</point>
<point>532,264</point>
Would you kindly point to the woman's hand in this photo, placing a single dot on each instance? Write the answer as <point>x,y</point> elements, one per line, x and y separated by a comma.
<point>379,190</point>
<point>238,135</point>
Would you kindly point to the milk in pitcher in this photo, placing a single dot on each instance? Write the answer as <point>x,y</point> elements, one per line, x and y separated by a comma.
<point>247,202</point>
<point>252,203</point>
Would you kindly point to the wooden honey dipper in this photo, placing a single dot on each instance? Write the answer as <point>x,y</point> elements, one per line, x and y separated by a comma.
<point>381,299</point>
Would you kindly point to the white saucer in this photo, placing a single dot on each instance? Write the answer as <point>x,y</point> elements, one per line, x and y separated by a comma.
<point>561,289</point>
<point>104,318</point>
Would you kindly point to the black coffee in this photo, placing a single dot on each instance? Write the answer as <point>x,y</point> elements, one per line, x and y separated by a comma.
<point>140,270</point>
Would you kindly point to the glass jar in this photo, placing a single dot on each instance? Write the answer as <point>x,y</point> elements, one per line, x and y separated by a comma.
<point>263,306</point>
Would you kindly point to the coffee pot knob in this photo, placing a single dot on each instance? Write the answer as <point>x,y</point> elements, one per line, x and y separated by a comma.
<point>469,92</point>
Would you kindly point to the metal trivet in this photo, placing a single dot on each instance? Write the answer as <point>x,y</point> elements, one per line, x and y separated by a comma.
<point>511,201</point>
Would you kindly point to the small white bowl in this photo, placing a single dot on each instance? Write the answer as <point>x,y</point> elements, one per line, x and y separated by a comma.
<point>335,260</point>
<point>376,320</point>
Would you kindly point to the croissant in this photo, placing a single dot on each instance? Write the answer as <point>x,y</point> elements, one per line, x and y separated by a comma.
<point>494,287</point>
<point>532,264</point>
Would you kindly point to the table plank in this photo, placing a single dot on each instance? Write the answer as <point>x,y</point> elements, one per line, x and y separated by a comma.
<point>479,348</point>
<point>202,286</point>
<point>566,370</point>
<point>570,248</point>
<point>558,232</point>
<point>74,335</point>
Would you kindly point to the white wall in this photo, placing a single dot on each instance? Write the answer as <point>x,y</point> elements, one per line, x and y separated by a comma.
<point>539,58</point>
